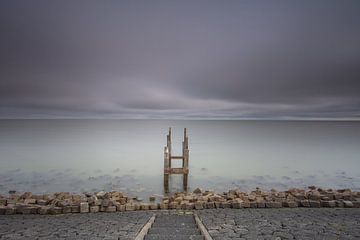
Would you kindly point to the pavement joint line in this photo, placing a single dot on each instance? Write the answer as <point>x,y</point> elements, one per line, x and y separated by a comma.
<point>144,230</point>
<point>202,228</point>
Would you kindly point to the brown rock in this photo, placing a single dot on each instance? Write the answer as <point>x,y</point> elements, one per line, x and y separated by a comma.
<point>94,209</point>
<point>111,209</point>
<point>75,209</point>
<point>199,205</point>
<point>304,203</point>
<point>314,204</point>
<point>329,204</point>
<point>348,204</point>
<point>67,209</point>
<point>84,207</point>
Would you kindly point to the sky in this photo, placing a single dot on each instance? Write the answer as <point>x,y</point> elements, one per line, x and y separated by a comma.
<point>180,59</point>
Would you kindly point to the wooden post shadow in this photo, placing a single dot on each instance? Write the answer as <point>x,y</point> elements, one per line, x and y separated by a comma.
<point>168,170</point>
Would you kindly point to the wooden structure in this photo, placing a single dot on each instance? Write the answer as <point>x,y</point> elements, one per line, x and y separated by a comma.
<point>168,157</point>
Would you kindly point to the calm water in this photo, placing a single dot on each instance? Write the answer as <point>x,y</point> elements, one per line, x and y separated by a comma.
<point>81,155</point>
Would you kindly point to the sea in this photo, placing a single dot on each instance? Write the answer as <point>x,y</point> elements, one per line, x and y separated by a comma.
<point>89,155</point>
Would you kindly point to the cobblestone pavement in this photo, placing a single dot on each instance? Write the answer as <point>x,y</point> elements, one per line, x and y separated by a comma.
<point>123,225</point>
<point>282,223</point>
<point>319,223</point>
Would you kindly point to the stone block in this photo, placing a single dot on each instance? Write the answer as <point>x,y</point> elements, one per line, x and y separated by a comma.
<point>121,208</point>
<point>152,198</point>
<point>94,209</point>
<point>246,204</point>
<point>356,204</point>
<point>163,206</point>
<point>75,209</point>
<point>290,204</point>
<point>199,205</point>
<point>30,210</point>
<point>129,207</point>
<point>2,202</point>
<point>97,202</point>
<point>328,204</point>
<point>348,204</point>
<point>41,202</point>
<point>144,206</point>
<point>153,206</point>
<point>253,205</point>
<point>43,210</point>
<point>2,210</point>
<point>111,209</point>
<point>236,205</point>
<point>67,209</point>
<point>339,203</point>
<point>314,204</point>
<point>273,204</point>
<point>84,207</point>
<point>261,204</point>
<point>304,203</point>
<point>55,210</point>
<point>225,205</point>
<point>210,205</point>
<point>10,210</point>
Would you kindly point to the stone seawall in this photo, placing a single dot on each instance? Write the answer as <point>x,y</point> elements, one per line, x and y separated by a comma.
<point>63,202</point>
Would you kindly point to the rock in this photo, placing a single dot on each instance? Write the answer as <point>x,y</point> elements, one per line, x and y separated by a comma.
<point>2,210</point>
<point>199,205</point>
<point>144,206</point>
<point>210,205</point>
<point>84,207</point>
<point>314,204</point>
<point>261,204</point>
<point>41,202</point>
<point>67,209</point>
<point>10,210</point>
<point>236,205</point>
<point>111,209</point>
<point>12,192</point>
<point>253,205</point>
<point>273,204</point>
<point>43,210</point>
<point>304,203</point>
<point>2,202</point>
<point>121,208</point>
<point>348,204</point>
<point>290,204</point>
<point>225,205</point>
<point>329,204</point>
<point>152,199</point>
<point>129,207</point>
<point>197,191</point>
<point>55,210</point>
<point>100,194</point>
<point>163,206</point>
<point>153,206</point>
<point>75,209</point>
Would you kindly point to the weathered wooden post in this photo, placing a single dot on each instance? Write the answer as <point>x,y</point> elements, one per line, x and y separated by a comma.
<point>168,170</point>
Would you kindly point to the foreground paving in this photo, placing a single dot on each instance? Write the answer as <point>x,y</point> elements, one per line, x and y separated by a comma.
<point>286,223</point>
<point>74,226</point>
<point>282,223</point>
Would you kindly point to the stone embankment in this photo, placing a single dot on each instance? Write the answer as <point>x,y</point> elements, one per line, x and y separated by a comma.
<point>61,203</point>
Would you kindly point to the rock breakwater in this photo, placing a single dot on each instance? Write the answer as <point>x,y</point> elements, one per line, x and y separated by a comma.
<point>64,202</point>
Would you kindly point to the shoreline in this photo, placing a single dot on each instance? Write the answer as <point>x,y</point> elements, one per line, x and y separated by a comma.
<point>114,201</point>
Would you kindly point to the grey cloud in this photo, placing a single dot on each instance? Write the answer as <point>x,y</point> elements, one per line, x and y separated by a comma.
<point>180,59</point>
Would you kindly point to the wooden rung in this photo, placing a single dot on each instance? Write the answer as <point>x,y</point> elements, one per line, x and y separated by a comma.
<point>176,171</point>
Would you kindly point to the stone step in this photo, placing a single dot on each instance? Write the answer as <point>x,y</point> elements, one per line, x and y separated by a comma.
<point>173,237</point>
<point>174,230</point>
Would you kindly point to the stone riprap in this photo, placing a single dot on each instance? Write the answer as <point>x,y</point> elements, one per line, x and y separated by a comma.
<point>289,223</point>
<point>73,226</point>
<point>61,203</point>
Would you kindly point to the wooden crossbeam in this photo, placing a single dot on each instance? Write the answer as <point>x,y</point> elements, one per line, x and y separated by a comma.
<point>168,170</point>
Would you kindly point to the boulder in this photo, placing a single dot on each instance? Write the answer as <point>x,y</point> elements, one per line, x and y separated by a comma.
<point>84,207</point>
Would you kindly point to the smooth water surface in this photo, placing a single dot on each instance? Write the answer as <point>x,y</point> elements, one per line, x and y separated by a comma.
<point>85,155</point>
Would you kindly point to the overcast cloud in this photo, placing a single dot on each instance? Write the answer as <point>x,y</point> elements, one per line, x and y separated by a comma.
<point>180,59</point>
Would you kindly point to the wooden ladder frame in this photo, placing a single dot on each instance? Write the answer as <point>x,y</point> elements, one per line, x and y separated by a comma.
<point>184,170</point>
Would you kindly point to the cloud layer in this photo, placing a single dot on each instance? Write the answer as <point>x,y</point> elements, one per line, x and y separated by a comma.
<point>180,59</point>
